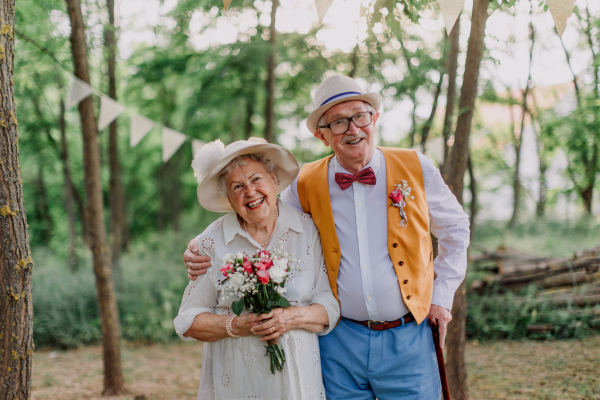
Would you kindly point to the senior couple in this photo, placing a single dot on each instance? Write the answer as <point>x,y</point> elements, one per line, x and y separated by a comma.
<point>358,223</point>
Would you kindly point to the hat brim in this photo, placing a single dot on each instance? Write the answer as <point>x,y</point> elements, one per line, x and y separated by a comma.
<point>374,99</point>
<point>209,196</point>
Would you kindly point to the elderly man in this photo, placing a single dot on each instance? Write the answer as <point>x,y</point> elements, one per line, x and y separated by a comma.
<point>374,208</point>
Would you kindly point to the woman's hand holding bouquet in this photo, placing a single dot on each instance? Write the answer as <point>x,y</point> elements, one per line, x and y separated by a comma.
<point>258,280</point>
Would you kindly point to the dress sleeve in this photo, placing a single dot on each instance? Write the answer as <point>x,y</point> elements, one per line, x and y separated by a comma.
<point>200,296</point>
<point>322,293</point>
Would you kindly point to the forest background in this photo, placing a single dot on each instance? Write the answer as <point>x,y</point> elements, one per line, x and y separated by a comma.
<point>193,67</point>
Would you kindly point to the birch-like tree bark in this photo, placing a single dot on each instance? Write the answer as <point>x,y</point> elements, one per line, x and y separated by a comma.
<point>109,316</point>
<point>16,307</point>
<point>451,92</point>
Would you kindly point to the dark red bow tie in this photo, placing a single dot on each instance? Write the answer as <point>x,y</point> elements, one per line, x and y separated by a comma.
<point>366,177</point>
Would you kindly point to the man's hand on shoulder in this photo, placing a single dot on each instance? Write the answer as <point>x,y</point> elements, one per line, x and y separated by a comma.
<point>443,316</point>
<point>196,264</point>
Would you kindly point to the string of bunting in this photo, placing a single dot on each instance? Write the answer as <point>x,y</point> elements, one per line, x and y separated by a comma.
<point>561,10</point>
<point>110,110</point>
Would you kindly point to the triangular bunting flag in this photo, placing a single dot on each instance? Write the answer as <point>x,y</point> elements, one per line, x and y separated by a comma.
<point>109,111</point>
<point>196,145</point>
<point>322,8</point>
<point>140,126</point>
<point>450,9</point>
<point>226,3</point>
<point>561,10</point>
<point>171,141</point>
<point>78,90</point>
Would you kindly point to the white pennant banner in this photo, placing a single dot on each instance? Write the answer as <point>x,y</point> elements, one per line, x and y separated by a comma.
<point>561,10</point>
<point>140,126</point>
<point>196,146</point>
<point>171,141</point>
<point>78,90</point>
<point>322,7</point>
<point>450,9</point>
<point>109,111</point>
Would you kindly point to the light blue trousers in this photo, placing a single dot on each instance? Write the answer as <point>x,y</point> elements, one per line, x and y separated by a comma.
<point>398,363</point>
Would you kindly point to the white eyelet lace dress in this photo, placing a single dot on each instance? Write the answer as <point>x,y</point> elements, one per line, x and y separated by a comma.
<point>236,368</point>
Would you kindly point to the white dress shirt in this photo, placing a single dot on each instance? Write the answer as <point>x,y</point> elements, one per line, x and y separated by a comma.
<point>367,283</point>
<point>236,368</point>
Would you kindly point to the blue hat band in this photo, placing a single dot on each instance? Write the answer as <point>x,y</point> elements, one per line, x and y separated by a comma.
<point>345,94</point>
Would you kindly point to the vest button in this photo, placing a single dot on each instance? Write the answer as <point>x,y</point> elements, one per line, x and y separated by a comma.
<point>408,297</point>
<point>401,263</point>
<point>395,245</point>
<point>406,281</point>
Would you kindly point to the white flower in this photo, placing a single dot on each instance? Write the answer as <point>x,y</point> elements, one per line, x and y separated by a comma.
<point>281,290</point>
<point>282,263</point>
<point>278,272</point>
<point>206,158</point>
<point>227,258</point>
<point>239,255</point>
<point>236,280</point>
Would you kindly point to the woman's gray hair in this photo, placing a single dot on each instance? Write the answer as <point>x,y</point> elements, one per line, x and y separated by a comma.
<point>241,161</point>
<point>322,119</point>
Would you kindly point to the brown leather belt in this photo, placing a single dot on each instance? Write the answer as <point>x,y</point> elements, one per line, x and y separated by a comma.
<point>385,325</point>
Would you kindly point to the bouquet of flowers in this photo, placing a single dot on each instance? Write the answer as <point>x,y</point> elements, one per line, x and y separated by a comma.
<point>258,280</point>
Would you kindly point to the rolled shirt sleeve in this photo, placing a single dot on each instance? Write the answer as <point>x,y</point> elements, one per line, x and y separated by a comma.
<point>450,224</point>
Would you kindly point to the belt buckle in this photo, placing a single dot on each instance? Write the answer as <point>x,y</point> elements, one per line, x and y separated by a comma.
<point>369,324</point>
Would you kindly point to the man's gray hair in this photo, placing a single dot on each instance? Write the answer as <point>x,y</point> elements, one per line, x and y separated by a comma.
<point>322,119</point>
<point>242,161</point>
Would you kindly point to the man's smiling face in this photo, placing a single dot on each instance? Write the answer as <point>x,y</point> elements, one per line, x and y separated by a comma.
<point>354,148</point>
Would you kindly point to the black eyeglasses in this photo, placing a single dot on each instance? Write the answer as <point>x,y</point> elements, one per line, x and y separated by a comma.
<point>342,125</point>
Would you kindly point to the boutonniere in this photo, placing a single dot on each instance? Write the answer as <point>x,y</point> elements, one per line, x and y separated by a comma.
<point>400,195</point>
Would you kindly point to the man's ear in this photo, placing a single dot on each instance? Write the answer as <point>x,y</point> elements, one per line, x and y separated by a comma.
<point>375,118</point>
<point>319,135</point>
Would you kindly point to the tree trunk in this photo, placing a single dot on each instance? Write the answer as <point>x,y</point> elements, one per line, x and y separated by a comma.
<point>113,377</point>
<point>519,140</point>
<point>249,114</point>
<point>427,127</point>
<point>451,94</point>
<point>454,176</point>
<point>586,195</point>
<point>42,210</point>
<point>270,111</point>
<point>16,307</point>
<point>473,188</point>
<point>116,193</point>
<point>541,151</point>
<point>64,156</point>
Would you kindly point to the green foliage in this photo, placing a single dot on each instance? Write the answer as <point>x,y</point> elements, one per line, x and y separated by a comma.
<point>494,316</point>
<point>149,288</point>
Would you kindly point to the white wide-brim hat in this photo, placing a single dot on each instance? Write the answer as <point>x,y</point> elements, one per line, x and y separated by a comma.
<point>210,160</point>
<point>338,89</point>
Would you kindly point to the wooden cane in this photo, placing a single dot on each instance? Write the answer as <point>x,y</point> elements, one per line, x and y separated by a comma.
<point>440,357</point>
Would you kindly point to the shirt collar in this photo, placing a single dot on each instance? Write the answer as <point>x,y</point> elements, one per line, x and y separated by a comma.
<point>288,219</point>
<point>374,163</point>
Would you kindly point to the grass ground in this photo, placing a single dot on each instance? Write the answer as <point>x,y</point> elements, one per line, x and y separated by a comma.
<point>497,370</point>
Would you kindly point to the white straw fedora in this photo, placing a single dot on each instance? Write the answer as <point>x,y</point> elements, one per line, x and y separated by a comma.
<point>337,89</point>
<point>210,160</point>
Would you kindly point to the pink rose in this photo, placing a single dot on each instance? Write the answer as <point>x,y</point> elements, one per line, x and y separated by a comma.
<point>268,262</point>
<point>260,266</point>
<point>227,268</point>
<point>396,196</point>
<point>247,267</point>
<point>263,276</point>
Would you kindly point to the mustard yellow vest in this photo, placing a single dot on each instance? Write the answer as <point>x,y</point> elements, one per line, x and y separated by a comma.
<point>410,247</point>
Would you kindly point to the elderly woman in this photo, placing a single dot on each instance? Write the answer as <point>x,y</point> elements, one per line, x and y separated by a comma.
<point>244,179</point>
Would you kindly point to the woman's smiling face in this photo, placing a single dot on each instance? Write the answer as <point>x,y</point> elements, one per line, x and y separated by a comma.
<point>252,191</point>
